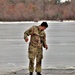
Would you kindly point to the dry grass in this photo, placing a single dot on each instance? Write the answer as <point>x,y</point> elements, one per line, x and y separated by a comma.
<point>23,10</point>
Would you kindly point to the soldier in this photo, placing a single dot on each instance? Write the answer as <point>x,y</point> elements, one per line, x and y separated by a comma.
<point>37,42</point>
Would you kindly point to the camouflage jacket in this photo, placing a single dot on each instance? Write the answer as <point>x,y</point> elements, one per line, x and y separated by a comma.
<point>37,37</point>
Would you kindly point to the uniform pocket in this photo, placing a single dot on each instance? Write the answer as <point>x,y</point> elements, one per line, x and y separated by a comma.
<point>30,49</point>
<point>31,52</point>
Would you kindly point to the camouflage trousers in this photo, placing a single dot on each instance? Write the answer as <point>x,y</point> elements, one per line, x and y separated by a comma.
<point>35,52</point>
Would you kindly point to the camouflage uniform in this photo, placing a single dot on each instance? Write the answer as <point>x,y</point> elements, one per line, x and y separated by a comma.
<point>35,50</point>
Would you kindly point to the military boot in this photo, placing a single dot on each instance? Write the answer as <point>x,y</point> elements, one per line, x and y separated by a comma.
<point>38,73</point>
<point>31,73</point>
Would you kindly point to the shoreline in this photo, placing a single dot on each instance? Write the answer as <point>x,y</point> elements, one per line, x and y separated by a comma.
<point>48,21</point>
<point>44,72</point>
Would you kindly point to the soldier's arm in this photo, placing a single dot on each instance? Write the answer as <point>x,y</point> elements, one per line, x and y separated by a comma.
<point>44,41</point>
<point>28,32</point>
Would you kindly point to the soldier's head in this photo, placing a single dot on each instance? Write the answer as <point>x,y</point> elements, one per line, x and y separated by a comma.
<point>43,26</point>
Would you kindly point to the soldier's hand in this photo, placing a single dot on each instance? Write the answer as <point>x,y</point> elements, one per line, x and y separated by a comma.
<point>26,40</point>
<point>46,47</point>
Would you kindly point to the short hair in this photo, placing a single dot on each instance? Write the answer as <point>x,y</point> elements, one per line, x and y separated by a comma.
<point>44,24</point>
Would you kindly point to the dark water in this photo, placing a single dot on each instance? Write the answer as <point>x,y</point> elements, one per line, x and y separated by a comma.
<point>60,39</point>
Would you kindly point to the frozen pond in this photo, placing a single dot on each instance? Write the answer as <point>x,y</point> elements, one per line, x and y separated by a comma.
<point>60,39</point>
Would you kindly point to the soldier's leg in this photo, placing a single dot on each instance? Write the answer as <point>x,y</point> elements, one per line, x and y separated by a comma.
<point>31,59</point>
<point>39,57</point>
<point>31,65</point>
<point>32,53</point>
